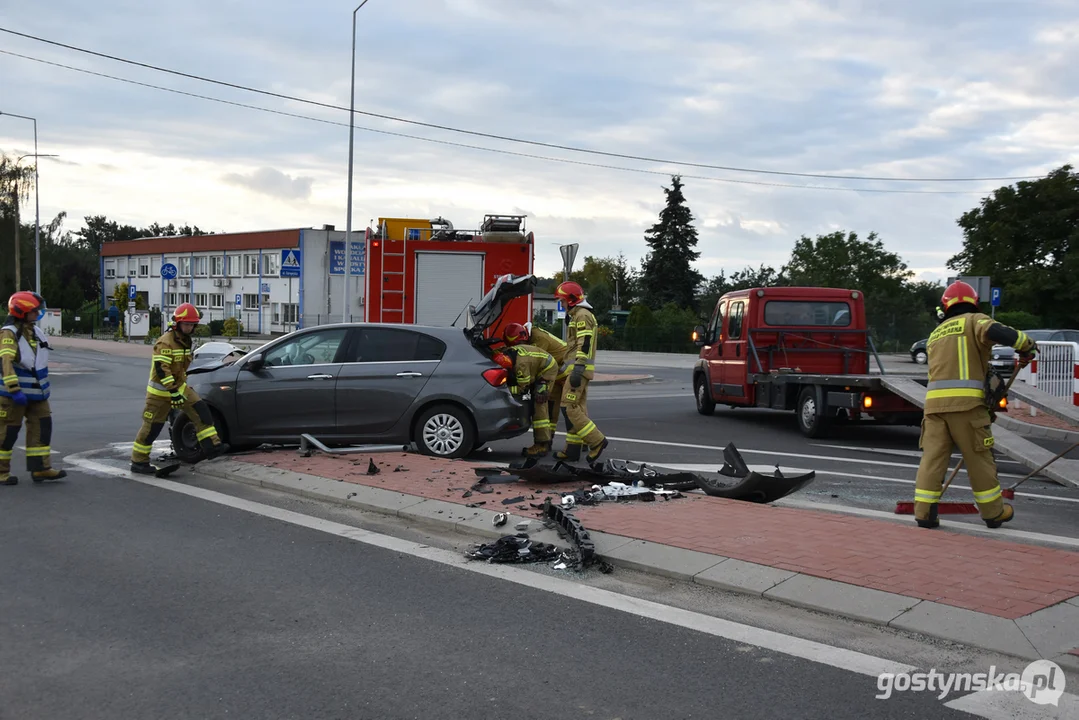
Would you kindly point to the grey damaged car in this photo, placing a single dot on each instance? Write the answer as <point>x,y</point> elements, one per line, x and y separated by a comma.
<point>361,383</point>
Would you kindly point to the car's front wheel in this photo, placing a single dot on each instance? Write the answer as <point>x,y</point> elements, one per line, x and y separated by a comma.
<point>921,357</point>
<point>445,431</point>
<point>184,442</point>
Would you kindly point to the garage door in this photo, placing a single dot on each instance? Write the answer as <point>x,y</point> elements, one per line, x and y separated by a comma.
<point>446,284</point>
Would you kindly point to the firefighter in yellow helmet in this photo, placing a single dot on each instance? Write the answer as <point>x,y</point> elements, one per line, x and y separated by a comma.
<point>581,351</point>
<point>24,357</point>
<point>516,334</point>
<point>533,369</point>
<point>956,409</point>
<point>167,389</point>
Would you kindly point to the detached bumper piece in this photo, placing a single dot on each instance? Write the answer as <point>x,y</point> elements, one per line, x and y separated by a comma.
<point>514,549</point>
<point>735,480</point>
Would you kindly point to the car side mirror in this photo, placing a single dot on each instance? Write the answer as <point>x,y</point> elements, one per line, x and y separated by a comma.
<point>698,336</point>
<point>255,362</point>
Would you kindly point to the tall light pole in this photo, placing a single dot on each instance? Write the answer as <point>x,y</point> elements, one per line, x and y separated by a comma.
<point>351,132</point>
<point>37,207</point>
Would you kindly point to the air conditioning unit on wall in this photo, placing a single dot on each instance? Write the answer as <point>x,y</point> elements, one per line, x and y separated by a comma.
<point>185,283</point>
<point>217,282</point>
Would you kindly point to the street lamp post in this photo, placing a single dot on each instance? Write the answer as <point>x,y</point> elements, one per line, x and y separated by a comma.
<point>37,208</point>
<point>351,132</point>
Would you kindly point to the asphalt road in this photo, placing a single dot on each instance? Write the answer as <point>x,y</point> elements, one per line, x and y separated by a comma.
<point>122,599</point>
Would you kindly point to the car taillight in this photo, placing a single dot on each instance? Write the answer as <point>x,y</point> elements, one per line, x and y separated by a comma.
<point>495,377</point>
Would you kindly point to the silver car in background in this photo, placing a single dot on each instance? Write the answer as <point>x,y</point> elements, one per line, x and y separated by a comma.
<point>360,383</point>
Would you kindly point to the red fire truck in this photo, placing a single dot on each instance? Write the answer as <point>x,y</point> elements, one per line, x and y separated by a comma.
<point>425,272</point>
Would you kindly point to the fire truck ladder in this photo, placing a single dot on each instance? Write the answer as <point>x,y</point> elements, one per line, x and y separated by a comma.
<point>393,278</point>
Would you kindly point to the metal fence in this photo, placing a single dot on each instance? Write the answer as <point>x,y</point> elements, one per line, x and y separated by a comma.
<point>1055,371</point>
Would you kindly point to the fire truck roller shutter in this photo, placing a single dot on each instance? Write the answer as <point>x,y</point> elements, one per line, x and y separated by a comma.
<point>446,283</point>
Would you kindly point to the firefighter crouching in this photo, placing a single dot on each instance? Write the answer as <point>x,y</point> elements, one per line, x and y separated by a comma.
<point>516,334</point>
<point>956,409</point>
<point>24,356</point>
<point>167,389</point>
<point>581,349</point>
<point>534,370</point>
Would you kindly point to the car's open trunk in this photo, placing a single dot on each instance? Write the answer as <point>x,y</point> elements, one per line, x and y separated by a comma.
<point>487,313</point>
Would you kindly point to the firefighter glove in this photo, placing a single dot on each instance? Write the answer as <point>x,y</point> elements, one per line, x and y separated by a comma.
<point>1026,356</point>
<point>177,399</point>
<point>19,397</point>
<point>541,394</point>
<point>576,375</point>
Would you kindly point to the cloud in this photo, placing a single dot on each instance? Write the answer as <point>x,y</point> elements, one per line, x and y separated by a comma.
<point>919,89</point>
<point>274,183</point>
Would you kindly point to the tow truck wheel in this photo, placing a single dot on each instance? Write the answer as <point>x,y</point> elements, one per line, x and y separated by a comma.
<point>811,420</point>
<point>705,404</point>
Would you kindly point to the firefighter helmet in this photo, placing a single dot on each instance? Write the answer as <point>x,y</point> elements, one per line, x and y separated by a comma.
<point>959,292</point>
<point>25,305</point>
<point>571,293</point>
<point>515,334</point>
<point>186,313</point>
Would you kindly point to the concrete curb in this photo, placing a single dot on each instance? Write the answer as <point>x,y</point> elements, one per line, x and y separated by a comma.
<point>1051,633</point>
<point>623,381</point>
<point>1037,432</point>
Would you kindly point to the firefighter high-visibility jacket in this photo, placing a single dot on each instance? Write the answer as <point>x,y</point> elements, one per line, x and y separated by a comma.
<point>24,357</point>
<point>959,351</point>
<point>168,369</point>
<point>581,340</point>
<point>549,343</point>
<point>533,366</point>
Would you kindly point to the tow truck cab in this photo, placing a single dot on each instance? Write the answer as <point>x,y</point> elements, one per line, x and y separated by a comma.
<point>794,348</point>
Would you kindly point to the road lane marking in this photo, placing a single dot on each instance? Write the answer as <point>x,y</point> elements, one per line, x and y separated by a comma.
<point>907,453</point>
<point>842,658</point>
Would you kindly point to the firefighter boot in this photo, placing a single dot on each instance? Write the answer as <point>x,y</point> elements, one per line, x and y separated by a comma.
<point>1005,515</point>
<point>40,476</point>
<point>932,521</point>
<point>143,468</point>
<point>595,452</point>
<point>6,479</point>
<point>537,450</point>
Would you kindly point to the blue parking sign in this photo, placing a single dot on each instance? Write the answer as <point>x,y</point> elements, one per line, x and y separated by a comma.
<point>131,292</point>
<point>238,301</point>
<point>995,297</point>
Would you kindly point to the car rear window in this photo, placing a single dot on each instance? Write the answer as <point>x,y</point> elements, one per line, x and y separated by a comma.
<point>395,345</point>
<point>807,313</point>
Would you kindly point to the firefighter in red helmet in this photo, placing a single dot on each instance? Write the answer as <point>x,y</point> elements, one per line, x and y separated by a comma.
<point>581,351</point>
<point>957,405</point>
<point>167,389</point>
<point>515,334</point>
<point>24,356</point>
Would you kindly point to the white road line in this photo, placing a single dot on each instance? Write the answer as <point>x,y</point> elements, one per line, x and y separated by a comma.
<point>803,456</point>
<point>908,453</point>
<point>849,660</point>
<point>1008,705</point>
<point>600,398</point>
<point>1002,532</point>
<point>766,469</point>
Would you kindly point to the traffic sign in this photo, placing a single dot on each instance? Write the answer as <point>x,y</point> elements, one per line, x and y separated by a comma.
<point>239,302</point>
<point>561,310</point>
<point>131,292</point>
<point>291,264</point>
<point>168,271</point>
<point>265,288</point>
<point>995,297</point>
<point>569,254</point>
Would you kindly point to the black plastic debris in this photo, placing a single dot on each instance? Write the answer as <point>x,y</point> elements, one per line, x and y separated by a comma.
<point>512,500</point>
<point>568,525</point>
<point>513,549</point>
<point>372,469</point>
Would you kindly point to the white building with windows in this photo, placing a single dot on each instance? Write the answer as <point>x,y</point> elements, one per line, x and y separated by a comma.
<point>273,281</point>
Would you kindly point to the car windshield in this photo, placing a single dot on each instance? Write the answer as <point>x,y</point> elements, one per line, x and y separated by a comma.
<point>1043,335</point>
<point>804,313</point>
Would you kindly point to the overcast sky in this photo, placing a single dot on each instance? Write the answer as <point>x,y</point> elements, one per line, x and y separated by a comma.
<point>917,89</point>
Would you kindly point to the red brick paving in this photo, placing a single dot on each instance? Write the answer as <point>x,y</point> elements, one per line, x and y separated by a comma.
<point>1018,411</point>
<point>998,577</point>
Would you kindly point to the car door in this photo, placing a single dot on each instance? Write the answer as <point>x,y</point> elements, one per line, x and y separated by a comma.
<point>713,348</point>
<point>292,392</point>
<point>733,362</point>
<point>385,371</point>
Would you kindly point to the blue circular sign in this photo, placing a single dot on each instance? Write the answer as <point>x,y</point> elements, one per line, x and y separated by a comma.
<point>168,271</point>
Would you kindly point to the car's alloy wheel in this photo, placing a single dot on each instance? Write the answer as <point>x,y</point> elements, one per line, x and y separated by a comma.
<point>443,434</point>
<point>921,357</point>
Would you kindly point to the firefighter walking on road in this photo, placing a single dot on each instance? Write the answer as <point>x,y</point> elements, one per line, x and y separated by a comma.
<point>957,405</point>
<point>581,350</point>
<point>516,334</point>
<point>534,369</point>
<point>24,357</point>
<point>167,389</point>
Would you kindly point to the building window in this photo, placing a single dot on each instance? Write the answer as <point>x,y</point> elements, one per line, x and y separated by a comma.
<point>251,265</point>
<point>200,300</point>
<point>271,264</point>
<point>185,267</point>
<point>251,301</point>
<point>132,268</point>
<point>200,266</point>
<point>217,301</point>
<point>110,268</point>
<point>217,266</point>
<point>277,312</point>
<point>290,312</point>
<point>155,267</point>
<point>144,268</point>
<point>235,266</point>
